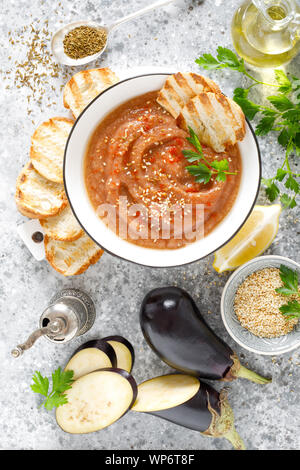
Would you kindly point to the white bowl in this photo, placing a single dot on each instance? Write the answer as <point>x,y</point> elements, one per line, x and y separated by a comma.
<point>246,339</point>
<point>83,210</point>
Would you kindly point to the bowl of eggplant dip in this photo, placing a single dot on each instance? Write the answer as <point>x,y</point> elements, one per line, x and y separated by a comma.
<point>144,141</point>
<point>260,305</point>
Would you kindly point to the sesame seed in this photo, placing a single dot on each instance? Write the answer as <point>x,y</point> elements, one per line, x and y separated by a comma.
<point>257,304</point>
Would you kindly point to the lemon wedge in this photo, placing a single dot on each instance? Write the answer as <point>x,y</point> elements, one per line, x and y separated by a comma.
<point>253,239</point>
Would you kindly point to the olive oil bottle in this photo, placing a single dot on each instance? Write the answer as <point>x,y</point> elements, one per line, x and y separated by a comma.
<point>266,33</point>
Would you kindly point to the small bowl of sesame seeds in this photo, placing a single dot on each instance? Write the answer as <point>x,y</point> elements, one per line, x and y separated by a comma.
<point>259,305</point>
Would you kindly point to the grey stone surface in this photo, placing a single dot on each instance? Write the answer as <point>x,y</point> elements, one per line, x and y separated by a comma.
<point>266,416</point>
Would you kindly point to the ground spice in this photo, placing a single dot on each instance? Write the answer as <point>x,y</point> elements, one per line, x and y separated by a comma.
<point>257,305</point>
<point>84,41</point>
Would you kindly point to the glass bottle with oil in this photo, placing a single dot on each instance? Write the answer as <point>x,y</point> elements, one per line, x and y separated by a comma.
<point>266,33</point>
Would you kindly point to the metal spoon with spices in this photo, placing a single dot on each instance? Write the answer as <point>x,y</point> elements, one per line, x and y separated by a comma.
<point>84,41</point>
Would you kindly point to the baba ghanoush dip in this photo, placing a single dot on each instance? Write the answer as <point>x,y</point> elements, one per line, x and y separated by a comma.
<point>134,165</point>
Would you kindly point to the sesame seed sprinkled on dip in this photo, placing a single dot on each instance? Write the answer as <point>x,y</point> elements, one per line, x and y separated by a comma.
<point>136,151</point>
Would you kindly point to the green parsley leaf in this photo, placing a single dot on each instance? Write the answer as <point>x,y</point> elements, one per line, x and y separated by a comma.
<point>291,309</point>
<point>41,384</point>
<point>295,83</point>
<point>221,165</point>
<point>228,57</point>
<point>287,201</point>
<point>284,83</point>
<point>249,108</point>
<point>293,115</point>
<point>292,184</point>
<point>284,291</point>
<point>208,62</point>
<point>241,93</point>
<point>297,139</point>
<point>281,102</point>
<point>272,190</point>
<point>221,176</point>
<point>265,125</point>
<point>290,147</point>
<point>55,400</point>
<point>269,112</point>
<point>290,281</point>
<point>289,278</point>
<point>201,172</point>
<point>281,174</point>
<point>267,181</point>
<point>191,156</point>
<point>193,139</point>
<point>283,138</point>
<point>61,381</point>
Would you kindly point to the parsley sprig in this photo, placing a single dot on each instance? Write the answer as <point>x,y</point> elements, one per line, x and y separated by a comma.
<point>226,59</point>
<point>61,381</point>
<point>203,172</point>
<point>291,309</point>
<point>282,116</point>
<point>290,287</point>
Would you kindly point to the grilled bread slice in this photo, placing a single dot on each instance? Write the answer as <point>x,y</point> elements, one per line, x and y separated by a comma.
<point>63,227</point>
<point>37,197</point>
<point>217,120</point>
<point>48,146</point>
<point>84,86</point>
<point>180,88</point>
<point>72,258</point>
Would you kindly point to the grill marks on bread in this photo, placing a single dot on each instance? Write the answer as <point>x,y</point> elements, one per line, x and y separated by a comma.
<point>197,102</point>
<point>182,87</point>
<point>74,258</point>
<point>48,146</point>
<point>36,197</point>
<point>63,227</point>
<point>217,120</point>
<point>40,191</point>
<point>84,86</point>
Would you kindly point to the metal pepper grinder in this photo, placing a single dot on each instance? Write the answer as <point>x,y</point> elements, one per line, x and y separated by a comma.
<point>71,313</point>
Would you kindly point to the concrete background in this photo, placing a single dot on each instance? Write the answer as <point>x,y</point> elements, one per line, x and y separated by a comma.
<point>266,416</point>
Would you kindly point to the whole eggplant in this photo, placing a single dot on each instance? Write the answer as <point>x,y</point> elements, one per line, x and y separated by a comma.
<point>207,412</point>
<point>176,331</point>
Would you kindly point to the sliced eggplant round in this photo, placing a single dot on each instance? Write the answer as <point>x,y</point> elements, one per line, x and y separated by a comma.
<point>124,351</point>
<point>165,392</point>
<point>189,403</point>
<point>176,331</point>
<point>97,400</point>
<point>93,355</point>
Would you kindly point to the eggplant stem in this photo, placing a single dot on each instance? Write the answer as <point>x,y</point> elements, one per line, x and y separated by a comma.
<point>245,373</point>
<point>222,423</point>
<point>235,439</point>
<point>237,370</point>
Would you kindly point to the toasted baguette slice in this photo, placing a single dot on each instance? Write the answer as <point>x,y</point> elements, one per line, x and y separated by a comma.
<point>37,197</point>
<point>72,258</point>
<point>48,146</point>
<point>84,86</point>
<point>180,88</point>
<point>63,227</point>
<point>217,120</point>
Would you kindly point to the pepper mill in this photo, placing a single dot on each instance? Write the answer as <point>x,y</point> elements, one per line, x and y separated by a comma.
<point>71,313</point>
